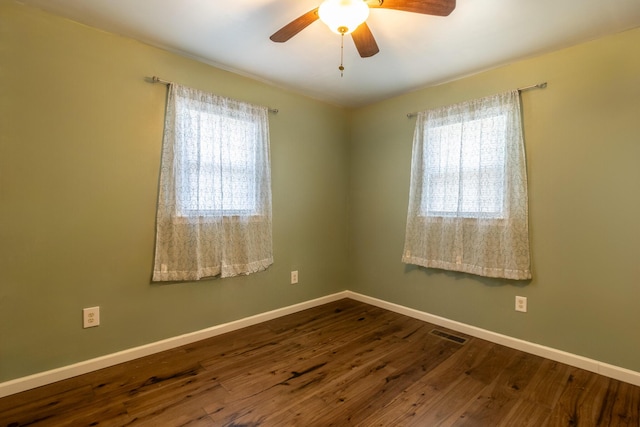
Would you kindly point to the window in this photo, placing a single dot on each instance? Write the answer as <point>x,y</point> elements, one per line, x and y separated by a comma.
<point>214,203</point>
<point>468,208</point>
<point>464,168</point>
<point>219,176</point>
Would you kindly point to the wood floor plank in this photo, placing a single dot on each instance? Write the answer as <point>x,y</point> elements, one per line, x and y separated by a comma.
<point>443,395</point>
<point>577,404</point>
<point>126,378</point>
<point>31,398</point>
<point>406,364</point>
<point>92,415</point>
<point>342,364</point>
<point>201,389</point>
<point>297,375</point>
<point>548,383</point>
<point>280,363</point>
<point>418,397</point>
<point>621,406</point>
<point>344,357</point>
<point>307,339</point>
<point>303,413</point>
<point>44,407</point>
<point>269,336</point>
<point>496,401</point>
<point>183,414</point>
<point>447,408</point>
<point>526,413</point>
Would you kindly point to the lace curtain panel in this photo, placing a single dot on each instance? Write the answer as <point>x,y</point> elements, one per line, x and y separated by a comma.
<point>214,202</point>
<point>468,203</point>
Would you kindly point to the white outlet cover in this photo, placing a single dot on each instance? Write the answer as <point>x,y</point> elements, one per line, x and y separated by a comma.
<point>521,304</point>
<point>90,317</point>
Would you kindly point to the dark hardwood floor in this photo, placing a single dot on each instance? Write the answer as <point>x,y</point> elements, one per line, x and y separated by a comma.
<point>341,364</point>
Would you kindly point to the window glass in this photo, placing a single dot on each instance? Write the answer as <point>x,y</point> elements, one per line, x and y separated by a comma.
<point>218,177</point>
<point>464,169</point>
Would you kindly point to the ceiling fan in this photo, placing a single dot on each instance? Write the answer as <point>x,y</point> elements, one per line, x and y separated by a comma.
<point>349,16</point>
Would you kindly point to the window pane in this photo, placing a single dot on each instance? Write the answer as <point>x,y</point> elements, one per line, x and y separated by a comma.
<point>218,163</point>
<point>464,165</point>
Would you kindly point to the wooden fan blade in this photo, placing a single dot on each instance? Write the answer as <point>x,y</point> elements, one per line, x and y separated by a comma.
<point>364,41</point>
<point>427,7</point>
<point>295,26</point>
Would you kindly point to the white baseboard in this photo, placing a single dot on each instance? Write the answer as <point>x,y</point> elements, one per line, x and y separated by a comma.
<point>611,371</point>
<point>32,381</point>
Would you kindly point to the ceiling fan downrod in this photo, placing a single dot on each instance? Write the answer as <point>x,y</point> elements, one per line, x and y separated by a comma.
<point>342,30</point>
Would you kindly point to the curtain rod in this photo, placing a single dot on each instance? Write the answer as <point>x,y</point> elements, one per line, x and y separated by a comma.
<point>520,89</point>
<point>156,79</point>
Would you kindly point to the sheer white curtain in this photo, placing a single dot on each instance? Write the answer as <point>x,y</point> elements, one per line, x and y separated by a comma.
<point>468,204</point>
<point>214,203</point>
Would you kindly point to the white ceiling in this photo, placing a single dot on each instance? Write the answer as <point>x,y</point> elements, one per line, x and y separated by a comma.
<point>415,50</point>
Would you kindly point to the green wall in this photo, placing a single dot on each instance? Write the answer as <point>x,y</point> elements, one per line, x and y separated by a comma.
<point>583,148</point>
<point>80,141</point>
<point>80,135</point>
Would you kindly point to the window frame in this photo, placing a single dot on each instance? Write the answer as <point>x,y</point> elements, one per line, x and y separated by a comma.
<point>183,213</point>
<point>426,201</point>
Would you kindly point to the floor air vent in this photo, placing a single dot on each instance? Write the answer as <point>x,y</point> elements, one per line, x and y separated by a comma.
<point>448,336</point>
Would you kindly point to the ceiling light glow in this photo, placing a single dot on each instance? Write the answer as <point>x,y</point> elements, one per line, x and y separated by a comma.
<point>343,16</point>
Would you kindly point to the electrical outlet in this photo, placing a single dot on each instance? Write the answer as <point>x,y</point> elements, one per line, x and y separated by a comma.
<point>294,277</point>
<point>90,317</point>
<point>521,304</point>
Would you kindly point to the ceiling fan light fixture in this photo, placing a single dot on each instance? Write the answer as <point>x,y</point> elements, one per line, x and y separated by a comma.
<point>343,16</point>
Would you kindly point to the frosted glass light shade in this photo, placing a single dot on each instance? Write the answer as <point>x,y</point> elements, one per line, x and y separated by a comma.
<point>343,16</point>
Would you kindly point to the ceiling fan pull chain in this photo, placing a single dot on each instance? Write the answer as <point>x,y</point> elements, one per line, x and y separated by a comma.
<point>341,67</point>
